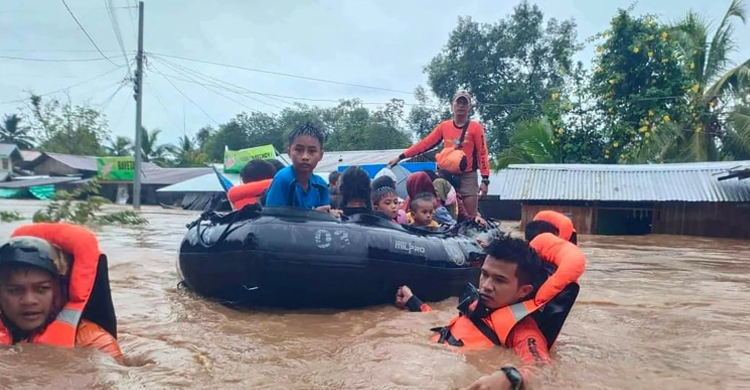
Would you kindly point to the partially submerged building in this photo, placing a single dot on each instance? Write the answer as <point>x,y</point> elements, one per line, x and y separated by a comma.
<point>681,199</point>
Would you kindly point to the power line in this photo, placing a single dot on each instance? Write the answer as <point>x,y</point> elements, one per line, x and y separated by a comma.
<point>116,28</point>
<point>66,88</point>
<point>185,96</point>
<point>285,74</point>
<point>86,33</point>
<point>161,103</point>
<point>52,59</point>
<point>190,79</point>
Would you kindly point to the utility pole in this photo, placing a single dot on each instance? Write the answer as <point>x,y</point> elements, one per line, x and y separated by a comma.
<point>138,111</point>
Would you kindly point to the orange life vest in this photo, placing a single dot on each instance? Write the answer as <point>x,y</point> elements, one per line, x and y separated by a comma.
<point>83,245</point>
<point>570,264</point>
<point>248,193</point>
<point>563,224</point>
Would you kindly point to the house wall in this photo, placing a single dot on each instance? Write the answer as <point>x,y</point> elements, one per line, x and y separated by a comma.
<point>728,220</point>
<point>584,218</point>
<point>495,208</point>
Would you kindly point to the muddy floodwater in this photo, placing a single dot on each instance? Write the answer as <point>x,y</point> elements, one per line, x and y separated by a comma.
<point>655,312</point>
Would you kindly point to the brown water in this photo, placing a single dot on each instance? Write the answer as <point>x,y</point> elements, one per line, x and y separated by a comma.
<point>657,312</point>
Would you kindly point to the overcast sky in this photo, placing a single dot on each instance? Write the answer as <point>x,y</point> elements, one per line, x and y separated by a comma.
<point>378,43</point>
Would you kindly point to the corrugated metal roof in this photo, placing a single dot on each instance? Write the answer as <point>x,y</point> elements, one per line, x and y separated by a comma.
<point>690,182</point>
<point>30,155</point>
<point>42,181</point>
<point>167,176</point>
<point>9,150</point>
<point>205,183</point>
<point>86,163</point>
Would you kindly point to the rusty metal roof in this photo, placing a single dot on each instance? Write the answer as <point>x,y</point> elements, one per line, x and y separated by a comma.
<point>689,182</point>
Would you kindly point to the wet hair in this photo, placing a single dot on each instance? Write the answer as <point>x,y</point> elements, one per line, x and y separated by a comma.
<point>381,192</point>
<point>535,228</point>
<point>384,181</point>
<point>256,170</point>
<point>355,184</point>
<point>516,251</point>
<point>422,197</point>
<point>308,129</point>
<point>276,164</point>
<point>432,174</point>
<point>333,177</point>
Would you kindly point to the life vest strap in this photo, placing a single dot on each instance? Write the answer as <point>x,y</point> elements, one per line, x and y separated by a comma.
<point>486,330</point>
<point>447,337</point>
<point>69,316</point>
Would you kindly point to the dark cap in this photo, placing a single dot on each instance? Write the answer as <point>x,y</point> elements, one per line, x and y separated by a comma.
<point>462,94</point>
<point>35,252</point>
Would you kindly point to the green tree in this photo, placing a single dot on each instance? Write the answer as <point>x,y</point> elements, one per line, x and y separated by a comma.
<point>120,146</point>
<point>187,154</point>
<point>64,128</point>
<point>639,83</point>
<point>230,134</point>
<point>510,67</point>
<point>12,132</point>
<point>532,142</point>
<point>426,114</point>
<point>150,150</point>
<point>202,137</point>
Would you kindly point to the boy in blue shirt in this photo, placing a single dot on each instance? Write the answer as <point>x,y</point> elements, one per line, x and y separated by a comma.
<point>297,185</point>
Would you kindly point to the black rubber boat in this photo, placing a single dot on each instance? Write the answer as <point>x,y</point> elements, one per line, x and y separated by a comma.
<point>283,257</point>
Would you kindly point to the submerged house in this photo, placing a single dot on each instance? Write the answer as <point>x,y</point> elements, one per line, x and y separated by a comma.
<point>681,199</point>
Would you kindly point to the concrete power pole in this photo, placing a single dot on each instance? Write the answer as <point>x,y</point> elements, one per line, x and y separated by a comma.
<point>138,112</point>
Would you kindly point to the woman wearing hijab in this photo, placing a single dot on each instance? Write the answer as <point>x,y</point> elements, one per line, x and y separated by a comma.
<point>419,183</point>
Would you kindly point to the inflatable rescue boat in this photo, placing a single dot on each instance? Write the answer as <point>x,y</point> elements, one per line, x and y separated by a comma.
<point>285,257</point>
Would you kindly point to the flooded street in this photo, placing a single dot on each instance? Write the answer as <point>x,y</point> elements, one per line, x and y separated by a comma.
<point>656,312</point>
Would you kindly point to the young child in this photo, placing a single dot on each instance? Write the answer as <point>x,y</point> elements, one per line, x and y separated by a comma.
<point>377,187</point>
<point>256,177</point>
<point>297,185</point>
<point>422,210</point>
<point>385,201</point>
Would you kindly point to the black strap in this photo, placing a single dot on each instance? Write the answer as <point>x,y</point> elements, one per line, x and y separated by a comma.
<point>486,330</point>
<point>463,133</point>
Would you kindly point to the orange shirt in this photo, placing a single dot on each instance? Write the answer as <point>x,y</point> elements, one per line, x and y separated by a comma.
<point>91,335</point>
<point>475,145</point>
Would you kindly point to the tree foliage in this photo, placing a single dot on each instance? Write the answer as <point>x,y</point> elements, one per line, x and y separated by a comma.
<point>65,128</point>
<point>12,131</point>
<point>511,67</point>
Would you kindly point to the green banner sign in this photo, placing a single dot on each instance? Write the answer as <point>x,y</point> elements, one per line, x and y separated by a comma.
<point>115,168</point>
<point>234,160</point>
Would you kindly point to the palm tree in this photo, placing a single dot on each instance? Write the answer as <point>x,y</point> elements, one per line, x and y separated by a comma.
<point>121,146</point>
<point>12,132</point>
<point>715,87</point>
<point>150,150</point>
<point>532,142</point>
<point>187,155</point>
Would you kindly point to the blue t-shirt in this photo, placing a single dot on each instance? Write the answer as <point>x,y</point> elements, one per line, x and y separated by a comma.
<point>286,191</point>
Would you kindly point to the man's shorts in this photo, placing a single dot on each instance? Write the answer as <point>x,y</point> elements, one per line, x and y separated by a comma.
<point>469,184</point>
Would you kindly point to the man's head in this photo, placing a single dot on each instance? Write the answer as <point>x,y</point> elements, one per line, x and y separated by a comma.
<point>461,104</point>
<point>423,209</point>
<point>306,148</point>
<point>535,228</point>
<point>355,186</point>
<point>509,272</point>
<point>30,282</point>
<point>385,200</point>
<point>257,170</point>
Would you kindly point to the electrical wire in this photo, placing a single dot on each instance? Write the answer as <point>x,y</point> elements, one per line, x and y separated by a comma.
<point>86,33</point>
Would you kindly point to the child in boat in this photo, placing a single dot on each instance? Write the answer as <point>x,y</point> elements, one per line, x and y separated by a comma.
<point>355,191</point>
<point>256,177</point>
<point>385,198</point>
<point>297,185</point>
<point>422,210</point>
<point>385,202</point>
